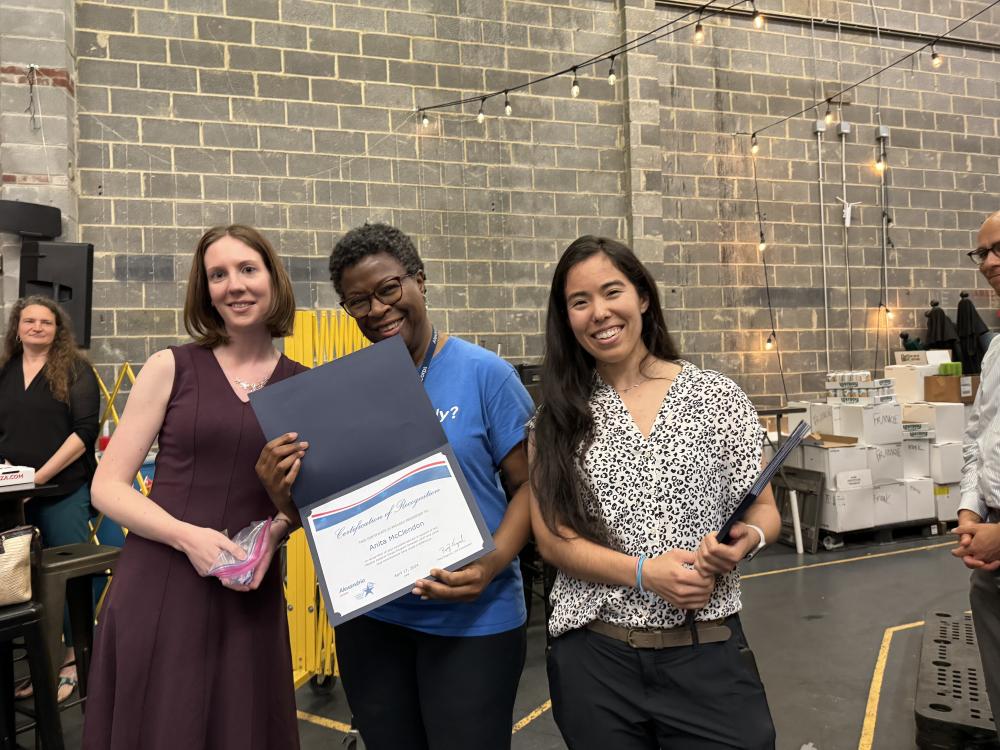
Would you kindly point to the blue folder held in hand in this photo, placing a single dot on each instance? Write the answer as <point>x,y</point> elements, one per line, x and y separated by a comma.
<point>362,415</point>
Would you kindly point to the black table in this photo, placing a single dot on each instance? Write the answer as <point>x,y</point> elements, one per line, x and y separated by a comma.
<point>12,502</point>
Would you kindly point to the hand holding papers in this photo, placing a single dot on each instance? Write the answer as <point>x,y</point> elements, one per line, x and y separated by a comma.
<point>380,492</point>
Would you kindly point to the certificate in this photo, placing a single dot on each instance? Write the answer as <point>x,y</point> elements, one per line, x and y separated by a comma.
<point>371,544</point>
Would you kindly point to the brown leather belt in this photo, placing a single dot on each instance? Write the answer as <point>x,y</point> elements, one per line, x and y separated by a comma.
<point>710,631</point>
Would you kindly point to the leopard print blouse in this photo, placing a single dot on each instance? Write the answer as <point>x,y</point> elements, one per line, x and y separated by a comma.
<point>664,492</point>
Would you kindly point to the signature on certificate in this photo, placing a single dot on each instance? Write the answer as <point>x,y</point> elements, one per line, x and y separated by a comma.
<point>456,543</point>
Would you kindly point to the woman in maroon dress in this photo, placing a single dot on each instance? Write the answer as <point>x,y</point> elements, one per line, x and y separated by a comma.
<point>182,660</point>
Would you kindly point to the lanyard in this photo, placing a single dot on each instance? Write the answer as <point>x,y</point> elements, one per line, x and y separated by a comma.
<point>430,353</point>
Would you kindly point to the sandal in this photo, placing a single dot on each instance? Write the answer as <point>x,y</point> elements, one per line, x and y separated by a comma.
<point>65,680</point>
<point>23,689</point>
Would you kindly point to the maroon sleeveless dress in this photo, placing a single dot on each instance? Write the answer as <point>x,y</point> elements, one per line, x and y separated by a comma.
<point>179,660</point>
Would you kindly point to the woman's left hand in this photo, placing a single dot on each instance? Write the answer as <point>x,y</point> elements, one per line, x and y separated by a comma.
<point>462,585</point>
<point>716,558</point>
<point>274,536</point>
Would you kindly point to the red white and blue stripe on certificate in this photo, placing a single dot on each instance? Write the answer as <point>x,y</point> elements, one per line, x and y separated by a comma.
<point>427,472</point>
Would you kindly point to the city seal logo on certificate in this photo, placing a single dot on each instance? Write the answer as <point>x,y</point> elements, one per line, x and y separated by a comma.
<point>373,542</point>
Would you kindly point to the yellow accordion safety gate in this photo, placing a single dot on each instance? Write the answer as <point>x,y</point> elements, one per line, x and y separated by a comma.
<point>319,336</point>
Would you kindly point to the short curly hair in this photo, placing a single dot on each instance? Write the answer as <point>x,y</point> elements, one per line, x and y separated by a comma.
<point>370,239</point>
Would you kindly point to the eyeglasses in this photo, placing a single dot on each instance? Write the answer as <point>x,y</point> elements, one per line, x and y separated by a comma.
<point>980,254</point>
<point>389,292</point>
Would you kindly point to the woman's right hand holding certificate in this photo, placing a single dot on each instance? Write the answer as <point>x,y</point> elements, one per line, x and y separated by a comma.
<point>672,577</point>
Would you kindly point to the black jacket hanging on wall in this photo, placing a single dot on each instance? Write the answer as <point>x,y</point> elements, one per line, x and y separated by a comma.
<point>970,327</point>
<point>941,332</point>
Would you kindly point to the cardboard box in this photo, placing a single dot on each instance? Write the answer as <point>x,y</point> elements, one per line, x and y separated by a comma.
<point>885,462</point>
<point>890,503</point>
<point>919,499</point>
<point>15,476</point>
<point>920,357</point>
<point>909,380</point>
<point>916,458</point>
<point>946,462</point>
<point>826,418</point>
<point>947,420</point>
<point>848,510</point>
<point>851,480</point>
<point>947,498</point>
<point>862,400</point>
<point>790,421</point>
<point>957,389</point>
<point>833,461</point>
<point>872,425</point>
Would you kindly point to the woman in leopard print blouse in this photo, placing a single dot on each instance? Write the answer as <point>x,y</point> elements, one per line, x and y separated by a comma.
<point>637,458</point>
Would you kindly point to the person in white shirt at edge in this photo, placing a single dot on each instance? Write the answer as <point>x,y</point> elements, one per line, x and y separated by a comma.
<point>978,530</point>
<point>636,459</point>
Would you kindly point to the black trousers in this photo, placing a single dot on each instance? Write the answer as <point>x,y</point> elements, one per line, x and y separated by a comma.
<point>413,691</point>
<point>606,694</point>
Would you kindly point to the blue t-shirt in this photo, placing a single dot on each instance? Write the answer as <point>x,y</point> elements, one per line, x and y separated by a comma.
<point>483,408</point>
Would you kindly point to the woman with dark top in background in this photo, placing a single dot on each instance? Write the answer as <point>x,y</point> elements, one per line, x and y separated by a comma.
<point>637,457</point>
<point>49,404</point>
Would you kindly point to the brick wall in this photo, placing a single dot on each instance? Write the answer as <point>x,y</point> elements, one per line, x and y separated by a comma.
<point>37,143</point>
<point>298,116</point>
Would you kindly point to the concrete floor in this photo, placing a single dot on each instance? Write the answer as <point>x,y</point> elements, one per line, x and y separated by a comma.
<point>815,622</point>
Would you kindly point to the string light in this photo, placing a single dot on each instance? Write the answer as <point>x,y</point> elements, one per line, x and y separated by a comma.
<point>507,109</point>
<point>754,146</point>
<point>762,245</point>
<point>425,120</point>
<point>699,33</point>
<point>936,59</point>
<point>574,90</point>
<point>828,117</point>
<point>888,313</point>
<point>758,17</point>
<point>769,344</point>
<point>611,72</point>
<point>481,117</point>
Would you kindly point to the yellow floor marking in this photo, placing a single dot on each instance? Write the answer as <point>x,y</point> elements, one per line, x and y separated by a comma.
<point>871,710</point>
<point>324,722</point>
<point>847,560</point>
<point>531,717</point>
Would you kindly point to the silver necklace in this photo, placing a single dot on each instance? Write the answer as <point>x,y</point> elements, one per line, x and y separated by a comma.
<point>251,387</point>
<point>623,391</point>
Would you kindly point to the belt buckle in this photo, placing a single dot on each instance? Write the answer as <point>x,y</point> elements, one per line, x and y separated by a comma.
<point>658,633</point>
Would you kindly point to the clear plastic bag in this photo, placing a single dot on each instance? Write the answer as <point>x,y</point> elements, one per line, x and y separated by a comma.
<point>252,539</point>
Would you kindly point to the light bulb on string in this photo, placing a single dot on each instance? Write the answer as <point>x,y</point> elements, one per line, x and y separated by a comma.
<point>888,313</point>
<point>754,146</point>
<point>762,245</point>
<point>758,17</point>
<point>769,344</point>
<point>424,119</point>
<point>699,33</point>
<point>507,109</point>
<point>936,59</point>
<point>828,117</point>
<point>481,117</point>
<point>611,72</point>
<point>880,165</point>
<point>574,90</point>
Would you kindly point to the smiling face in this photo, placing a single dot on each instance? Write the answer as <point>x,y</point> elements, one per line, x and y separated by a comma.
<point>37,327</point>
<point>989,236</point>
<point>406,317</point>
<point>239,284</point>
<point>604,310</point>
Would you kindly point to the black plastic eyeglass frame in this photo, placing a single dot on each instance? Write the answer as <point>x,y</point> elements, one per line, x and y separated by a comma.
<point>384,299</point>
<point>980,254</point>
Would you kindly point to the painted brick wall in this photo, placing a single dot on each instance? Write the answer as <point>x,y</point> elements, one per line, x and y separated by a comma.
<point>298,116</point>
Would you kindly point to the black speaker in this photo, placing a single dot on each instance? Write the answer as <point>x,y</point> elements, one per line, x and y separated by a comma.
<point>64,272</point>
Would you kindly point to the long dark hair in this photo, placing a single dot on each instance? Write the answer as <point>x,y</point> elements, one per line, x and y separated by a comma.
<point>63,360</point>
<point>564,427</point>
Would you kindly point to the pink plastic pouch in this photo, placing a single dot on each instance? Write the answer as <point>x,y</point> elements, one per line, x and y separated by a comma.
<point>252,540</point>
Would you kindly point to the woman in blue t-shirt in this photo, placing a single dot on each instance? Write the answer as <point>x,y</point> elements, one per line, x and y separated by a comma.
<point>439,667</point>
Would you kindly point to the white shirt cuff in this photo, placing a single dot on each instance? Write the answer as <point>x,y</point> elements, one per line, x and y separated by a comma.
<point>972,501</point>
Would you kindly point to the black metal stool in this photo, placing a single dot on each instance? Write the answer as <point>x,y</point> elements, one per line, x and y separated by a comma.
<point>65,575</point>
<point>26,620</point>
